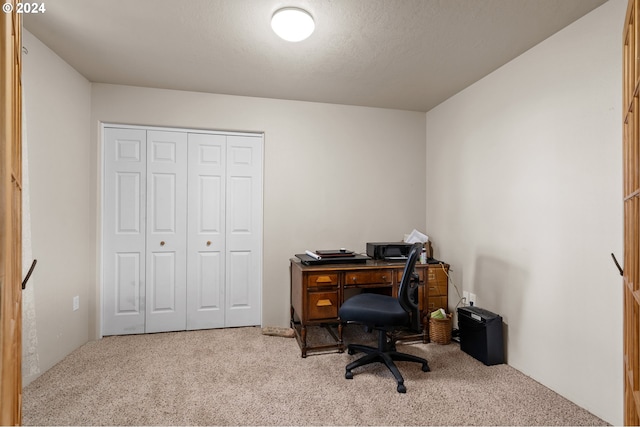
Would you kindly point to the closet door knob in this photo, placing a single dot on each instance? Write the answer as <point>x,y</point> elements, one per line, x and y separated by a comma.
<point>162,243</point>
<point>208,242</point>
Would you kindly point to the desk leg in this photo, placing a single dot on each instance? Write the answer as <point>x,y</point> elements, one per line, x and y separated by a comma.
<point>340,342</point>
<point>301,336</point>
<point>303,339</point>
<point>425,329</point>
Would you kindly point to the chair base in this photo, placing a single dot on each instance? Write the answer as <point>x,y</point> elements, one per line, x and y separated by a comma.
<point>385,353</point>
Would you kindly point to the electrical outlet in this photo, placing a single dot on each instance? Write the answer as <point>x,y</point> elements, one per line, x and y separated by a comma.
<point>472,299</point>
<point>465,296</point>
<point>76,302</point>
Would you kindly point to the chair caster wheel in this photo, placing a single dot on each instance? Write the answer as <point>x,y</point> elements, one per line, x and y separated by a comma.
<point>402,388</point>
<point>351,351</point>
<point>348,375</point>
<point>425,368</point>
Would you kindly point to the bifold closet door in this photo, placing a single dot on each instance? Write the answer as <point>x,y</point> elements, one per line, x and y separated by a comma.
<point>244,231</point>
<point>182,230</point>
<point>166,290</point>
<point>225,231</point>
<point>124,231</point>
<point>144,231</point>
<point>206,231</point>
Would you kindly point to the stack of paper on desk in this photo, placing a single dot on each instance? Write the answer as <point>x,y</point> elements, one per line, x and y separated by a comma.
<point>331,256</point>
<point>333,253</point>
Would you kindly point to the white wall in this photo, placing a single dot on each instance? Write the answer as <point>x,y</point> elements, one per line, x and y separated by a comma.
<point>524,200</point>
<point>57,104</point>
<point>334,176</point>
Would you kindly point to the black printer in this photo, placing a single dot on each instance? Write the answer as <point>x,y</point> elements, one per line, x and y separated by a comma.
<point>390,251</point>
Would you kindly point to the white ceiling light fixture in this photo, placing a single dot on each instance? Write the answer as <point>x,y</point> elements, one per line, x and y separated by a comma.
<point>292,24</point>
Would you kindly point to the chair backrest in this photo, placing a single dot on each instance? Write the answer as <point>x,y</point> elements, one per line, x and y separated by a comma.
<point>407,296</point>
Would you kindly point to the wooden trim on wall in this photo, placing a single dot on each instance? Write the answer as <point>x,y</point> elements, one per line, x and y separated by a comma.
<point>10,216</point>
<point>631,200</point>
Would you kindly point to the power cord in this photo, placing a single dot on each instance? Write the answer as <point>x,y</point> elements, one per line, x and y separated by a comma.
<point>449,280</point>
<point>455,333</point>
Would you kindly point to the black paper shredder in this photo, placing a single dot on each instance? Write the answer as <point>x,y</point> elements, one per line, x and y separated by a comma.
<point>481,334</point>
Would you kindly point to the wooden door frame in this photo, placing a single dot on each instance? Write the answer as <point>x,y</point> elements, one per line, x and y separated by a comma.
<point>631,200</point>
<point>10,216</point>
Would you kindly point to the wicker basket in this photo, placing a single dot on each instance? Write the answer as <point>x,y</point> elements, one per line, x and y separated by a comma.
<point>440,330</point>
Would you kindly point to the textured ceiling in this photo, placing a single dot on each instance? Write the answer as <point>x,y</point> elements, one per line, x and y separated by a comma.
<point>402,54</point>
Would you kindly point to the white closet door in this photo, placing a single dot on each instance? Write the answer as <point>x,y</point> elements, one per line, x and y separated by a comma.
<point>166,231</point>
<point>206,232</point>
<point>124,231</point>
<point>244,231</point>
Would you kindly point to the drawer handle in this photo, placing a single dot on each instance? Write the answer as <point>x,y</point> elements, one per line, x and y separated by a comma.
<point>324,303</point>
<point>323,279</point>
<point>208,242</point>
<point>162,243</point>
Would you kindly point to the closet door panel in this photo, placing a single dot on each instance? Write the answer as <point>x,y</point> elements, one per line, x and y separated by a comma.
<point>127,288</point>
<point>124,231</point>
<point>163,203</point>
<point>244,230</point>
<point>127,199</point>
<point>206,231</point>
<point>210,194</point>
<point>209,285</point>
<point>206,292</point>
<point>241,293</point>
<point>166,231</point>
<point>164,283</point>
<point>240,207</point>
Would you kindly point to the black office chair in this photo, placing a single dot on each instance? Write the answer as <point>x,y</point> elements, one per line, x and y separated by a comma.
<point>387,315</point>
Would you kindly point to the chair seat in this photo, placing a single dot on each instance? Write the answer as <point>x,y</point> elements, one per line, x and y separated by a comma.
<point>373,309</point>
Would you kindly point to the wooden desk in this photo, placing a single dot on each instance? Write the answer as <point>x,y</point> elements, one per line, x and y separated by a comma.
<point>317,291</point>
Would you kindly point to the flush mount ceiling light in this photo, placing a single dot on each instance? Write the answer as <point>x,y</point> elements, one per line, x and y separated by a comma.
<point>292,24</point>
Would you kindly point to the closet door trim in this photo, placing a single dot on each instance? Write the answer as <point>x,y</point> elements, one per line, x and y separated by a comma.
<point>106,125</point>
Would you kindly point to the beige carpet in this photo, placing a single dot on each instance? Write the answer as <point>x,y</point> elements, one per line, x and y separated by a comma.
<point>241,377</point>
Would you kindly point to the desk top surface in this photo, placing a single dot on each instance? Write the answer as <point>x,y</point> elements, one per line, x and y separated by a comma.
<point>355,266</point>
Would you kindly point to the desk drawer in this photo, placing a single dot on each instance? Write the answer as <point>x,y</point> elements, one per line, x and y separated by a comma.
<point>317,280</point>
<point>420,272</point>
<point>370,277</point>
<point>322,305</point>
<point>437,289</point>
<point>437,276</point>
<point>436,303</point>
